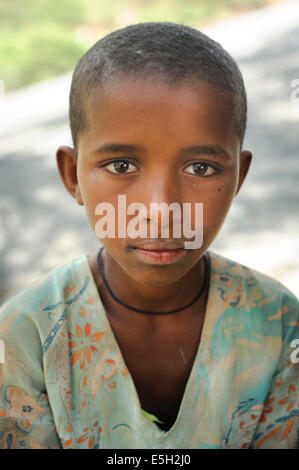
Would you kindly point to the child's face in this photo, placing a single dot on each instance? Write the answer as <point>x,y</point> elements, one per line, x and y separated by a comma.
<point>160,123</point>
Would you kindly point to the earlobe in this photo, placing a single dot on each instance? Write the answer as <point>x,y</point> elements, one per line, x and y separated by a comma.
<point>67,166</point>
<point>245,161</point>
<point>78,196</point>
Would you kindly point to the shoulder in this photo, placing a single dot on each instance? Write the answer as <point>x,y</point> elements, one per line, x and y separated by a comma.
<point>30,307</point>
<point>248,290</point>
<point>225,269</point>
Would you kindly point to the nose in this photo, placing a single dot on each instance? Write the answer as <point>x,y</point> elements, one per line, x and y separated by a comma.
<point>161,196</point>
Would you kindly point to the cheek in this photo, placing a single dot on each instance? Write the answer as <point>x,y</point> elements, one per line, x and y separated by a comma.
<point>217,207</point>
<point>217,197</point>
<point>94,191</point>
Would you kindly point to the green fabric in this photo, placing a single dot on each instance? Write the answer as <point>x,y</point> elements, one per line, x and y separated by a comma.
<point>65,382</point>
<point>151,417</point>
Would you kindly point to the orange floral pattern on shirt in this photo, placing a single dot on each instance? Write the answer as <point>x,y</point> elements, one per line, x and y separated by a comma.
<point>82,342</point>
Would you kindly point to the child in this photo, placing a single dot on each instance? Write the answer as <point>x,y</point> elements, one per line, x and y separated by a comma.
<point>147,343</point>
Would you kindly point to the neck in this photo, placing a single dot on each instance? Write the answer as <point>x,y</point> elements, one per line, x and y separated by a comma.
<point>152,299</point>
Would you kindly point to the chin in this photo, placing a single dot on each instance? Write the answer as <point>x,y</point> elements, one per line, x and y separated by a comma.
<point>157,276</point>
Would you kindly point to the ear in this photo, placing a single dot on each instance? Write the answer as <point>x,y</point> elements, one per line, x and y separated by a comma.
<point>67,166</point>
<point>245,161</point>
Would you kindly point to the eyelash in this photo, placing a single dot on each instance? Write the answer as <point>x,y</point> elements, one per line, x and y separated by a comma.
<point>128,162</point>
<point>116,161</point>
<point>216,170</point>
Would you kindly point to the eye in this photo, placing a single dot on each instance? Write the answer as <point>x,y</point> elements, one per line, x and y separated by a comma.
<point>201,169</point>
<point>120,167</point>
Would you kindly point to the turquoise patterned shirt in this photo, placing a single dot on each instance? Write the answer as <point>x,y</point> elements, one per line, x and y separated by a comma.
<point>65,384</point>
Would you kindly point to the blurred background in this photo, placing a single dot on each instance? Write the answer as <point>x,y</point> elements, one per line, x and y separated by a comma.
<point>42,227</point>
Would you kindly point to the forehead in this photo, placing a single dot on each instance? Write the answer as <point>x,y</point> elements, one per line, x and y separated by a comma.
<point>152,110</point>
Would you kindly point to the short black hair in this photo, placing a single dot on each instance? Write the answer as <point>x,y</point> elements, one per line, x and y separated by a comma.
<point>173,51</point>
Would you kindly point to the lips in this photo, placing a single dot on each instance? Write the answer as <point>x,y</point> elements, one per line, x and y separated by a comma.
<point>156,246</point>
<point>159,253</point>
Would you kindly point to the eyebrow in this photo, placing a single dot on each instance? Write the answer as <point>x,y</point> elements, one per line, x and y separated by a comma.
<point>207,150</point>
<point>194,150</point>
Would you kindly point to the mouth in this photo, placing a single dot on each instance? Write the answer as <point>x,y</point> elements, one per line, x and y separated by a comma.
<point>159,253</point>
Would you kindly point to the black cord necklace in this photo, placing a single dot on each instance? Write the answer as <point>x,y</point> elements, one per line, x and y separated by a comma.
<point>207,277</point>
